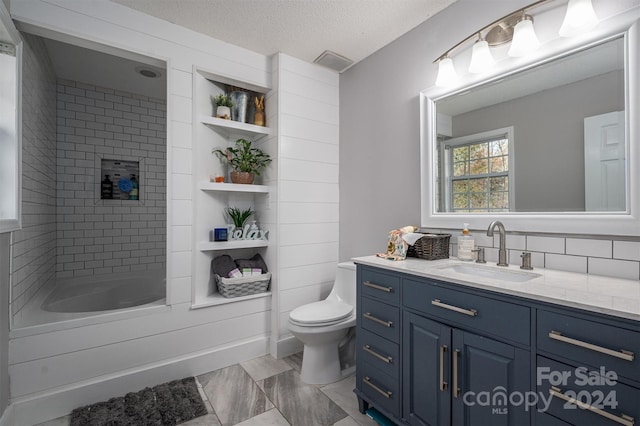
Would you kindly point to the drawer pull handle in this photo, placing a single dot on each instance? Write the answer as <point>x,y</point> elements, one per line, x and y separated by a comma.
<point>626,355</point>
<point>387,359</point>
<point>378,320</point>
<point>384,393</point>
<point>443,351</point>
<point>456,388</point>
<point>470,312</point>
<point>623,420</point>
<point>378,287</point>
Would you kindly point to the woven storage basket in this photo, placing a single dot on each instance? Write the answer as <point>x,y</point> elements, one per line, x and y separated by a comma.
<point>431,247</point>
<point>243,286</point>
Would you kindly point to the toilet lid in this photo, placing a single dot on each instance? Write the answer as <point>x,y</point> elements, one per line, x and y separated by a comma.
<point>321,312</point>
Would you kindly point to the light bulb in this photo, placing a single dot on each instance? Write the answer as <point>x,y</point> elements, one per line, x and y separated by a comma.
<point>579,18</point>
<point>447,75</point>
<point>524,39</point>
<point>481,58</point>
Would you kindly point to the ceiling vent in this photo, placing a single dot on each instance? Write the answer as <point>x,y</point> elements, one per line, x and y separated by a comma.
<point>334,61</point>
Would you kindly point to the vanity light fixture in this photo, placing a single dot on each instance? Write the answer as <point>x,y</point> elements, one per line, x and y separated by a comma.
<point>517,28</point>
<point>481,58</point>
<point>579,18</point>
<point>524,38</point>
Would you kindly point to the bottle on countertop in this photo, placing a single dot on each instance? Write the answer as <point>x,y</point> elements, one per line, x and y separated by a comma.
<point>465,244</point>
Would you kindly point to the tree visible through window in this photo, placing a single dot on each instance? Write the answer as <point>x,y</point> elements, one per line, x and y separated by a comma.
<point>478,173</point>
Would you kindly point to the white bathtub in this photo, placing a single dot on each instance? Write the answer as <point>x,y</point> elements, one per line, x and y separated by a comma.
<point>105,293</point>
<point>91,299</point>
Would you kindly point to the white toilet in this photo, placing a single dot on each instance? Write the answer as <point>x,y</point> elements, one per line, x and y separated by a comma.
<point>322,327</point>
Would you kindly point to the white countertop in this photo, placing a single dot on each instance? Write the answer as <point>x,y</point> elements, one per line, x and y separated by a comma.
<point>612,296</point>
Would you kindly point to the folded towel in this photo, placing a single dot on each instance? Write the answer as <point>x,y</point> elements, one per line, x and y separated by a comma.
<point>397,246</point>
<point>412,237</point>
<point>223,265</point>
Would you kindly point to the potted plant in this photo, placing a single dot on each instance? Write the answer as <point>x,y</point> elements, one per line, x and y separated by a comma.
<point>223,106</point>
<point>245,161</point>
<point>237,216</point>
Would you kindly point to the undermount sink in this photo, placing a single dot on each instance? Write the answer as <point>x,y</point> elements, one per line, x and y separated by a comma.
<point>496,273</point>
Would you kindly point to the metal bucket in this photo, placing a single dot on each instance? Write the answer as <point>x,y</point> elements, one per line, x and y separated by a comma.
<point>240,105</point>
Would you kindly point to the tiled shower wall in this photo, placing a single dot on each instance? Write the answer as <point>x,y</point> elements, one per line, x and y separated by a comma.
<point>106,236</point>
<point>33,246</point>
<point>598,255</point>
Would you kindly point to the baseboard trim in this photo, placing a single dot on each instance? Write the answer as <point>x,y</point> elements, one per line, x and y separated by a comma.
<point>7,418</point>
<point>287,346</point>
<point>49,405</point>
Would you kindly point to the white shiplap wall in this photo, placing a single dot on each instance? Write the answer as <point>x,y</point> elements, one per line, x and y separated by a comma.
<point>307,188</point>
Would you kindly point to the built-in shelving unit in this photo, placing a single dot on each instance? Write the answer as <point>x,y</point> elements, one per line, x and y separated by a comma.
<point>211,198</point>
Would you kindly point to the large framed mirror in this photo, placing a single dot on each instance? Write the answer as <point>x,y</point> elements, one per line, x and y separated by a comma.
<point>551,146</point>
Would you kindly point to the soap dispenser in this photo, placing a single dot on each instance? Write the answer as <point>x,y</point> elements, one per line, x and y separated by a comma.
<point>465,244</point>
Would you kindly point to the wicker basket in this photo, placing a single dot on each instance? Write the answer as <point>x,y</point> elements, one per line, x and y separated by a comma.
<point>243,286</point>
<point>431,247</point>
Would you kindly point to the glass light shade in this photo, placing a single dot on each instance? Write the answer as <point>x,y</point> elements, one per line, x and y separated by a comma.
<point>447,75</point>
<point>524,39</point>
<point>579,18</point>
<point>481,58</point>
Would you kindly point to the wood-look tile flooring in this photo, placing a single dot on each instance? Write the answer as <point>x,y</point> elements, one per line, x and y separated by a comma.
<point>268,392</point>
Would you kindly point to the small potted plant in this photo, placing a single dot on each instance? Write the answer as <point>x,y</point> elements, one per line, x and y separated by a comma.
<point>238,216</point>
<point>246,161</point>
<point>223,106</point>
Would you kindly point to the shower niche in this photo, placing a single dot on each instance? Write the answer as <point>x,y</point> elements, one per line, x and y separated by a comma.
<point>121,180</point>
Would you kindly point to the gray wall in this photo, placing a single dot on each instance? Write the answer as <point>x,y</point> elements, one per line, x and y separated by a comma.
<point>379,154</point>
<point>549,138</point>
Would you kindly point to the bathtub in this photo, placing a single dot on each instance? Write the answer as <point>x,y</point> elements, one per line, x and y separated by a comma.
<point>105,293</point>
<point>72,302</point>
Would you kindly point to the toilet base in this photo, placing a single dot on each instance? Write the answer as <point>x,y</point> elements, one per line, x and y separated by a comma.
<point>320,365</point>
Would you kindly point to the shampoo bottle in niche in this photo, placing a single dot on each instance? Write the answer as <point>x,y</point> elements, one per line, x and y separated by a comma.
<point>133,195</point>
<point>465,244</point>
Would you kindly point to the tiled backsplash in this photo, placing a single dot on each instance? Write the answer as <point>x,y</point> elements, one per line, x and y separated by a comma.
<point>606,256</point>
<point>103,236</point>
<point>33,246</point>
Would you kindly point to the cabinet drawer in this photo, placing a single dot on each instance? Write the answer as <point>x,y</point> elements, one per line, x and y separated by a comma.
<point>380,285</point>
<point>590,343</point>
<point>380,318</point>
<point>381,389</point>
<point>606,403</point>
<point>378,352</point>
<point>492,316</point>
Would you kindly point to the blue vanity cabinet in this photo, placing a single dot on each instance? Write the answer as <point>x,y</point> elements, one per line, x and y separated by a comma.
<point>378,341</point>
<point>456,376</point>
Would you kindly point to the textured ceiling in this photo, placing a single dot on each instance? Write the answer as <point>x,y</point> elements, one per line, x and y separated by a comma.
<point>300,28</point>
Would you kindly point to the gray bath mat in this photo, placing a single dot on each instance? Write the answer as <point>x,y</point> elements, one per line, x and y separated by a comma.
<point>164,405</point>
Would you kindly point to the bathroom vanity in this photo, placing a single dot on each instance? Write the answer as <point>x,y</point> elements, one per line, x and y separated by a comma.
<point>448,342</point>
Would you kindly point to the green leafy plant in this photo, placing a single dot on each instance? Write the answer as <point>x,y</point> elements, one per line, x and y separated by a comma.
<point>222,100</point>
<point>244,158</point>
<point>238,217</point>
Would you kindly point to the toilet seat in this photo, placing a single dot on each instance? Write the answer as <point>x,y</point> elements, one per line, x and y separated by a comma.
<point>316,314</point>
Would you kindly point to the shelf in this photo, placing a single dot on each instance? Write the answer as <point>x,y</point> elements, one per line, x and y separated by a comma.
<point>231,245</point>
<point>217,299</point>
<point>234,187</point>
<point>236,127</point>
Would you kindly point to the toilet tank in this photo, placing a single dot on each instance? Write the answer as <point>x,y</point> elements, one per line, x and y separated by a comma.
<point>344,288</point>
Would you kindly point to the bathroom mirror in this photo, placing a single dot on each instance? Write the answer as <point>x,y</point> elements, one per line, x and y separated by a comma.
<point>551,146</point>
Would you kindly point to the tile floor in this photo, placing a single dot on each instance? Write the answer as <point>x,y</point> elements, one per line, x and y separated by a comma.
<point>266,391</point>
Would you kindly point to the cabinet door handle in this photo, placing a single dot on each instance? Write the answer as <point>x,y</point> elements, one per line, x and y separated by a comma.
<point>378,287</point>
<point>387,359</point>
<point>470,312</point>
<point>623,420</point>
<point>443,351</point>
<point>386,394</point>
<point>456,388</point>
<point>378,320</point>
<point>622,354</point>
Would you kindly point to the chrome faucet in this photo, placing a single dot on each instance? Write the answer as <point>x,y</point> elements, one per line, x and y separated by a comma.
<point>502,250</point>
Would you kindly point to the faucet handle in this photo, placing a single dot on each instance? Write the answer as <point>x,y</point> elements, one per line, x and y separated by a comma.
<point>526,261</point>
<point>480,256</point>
